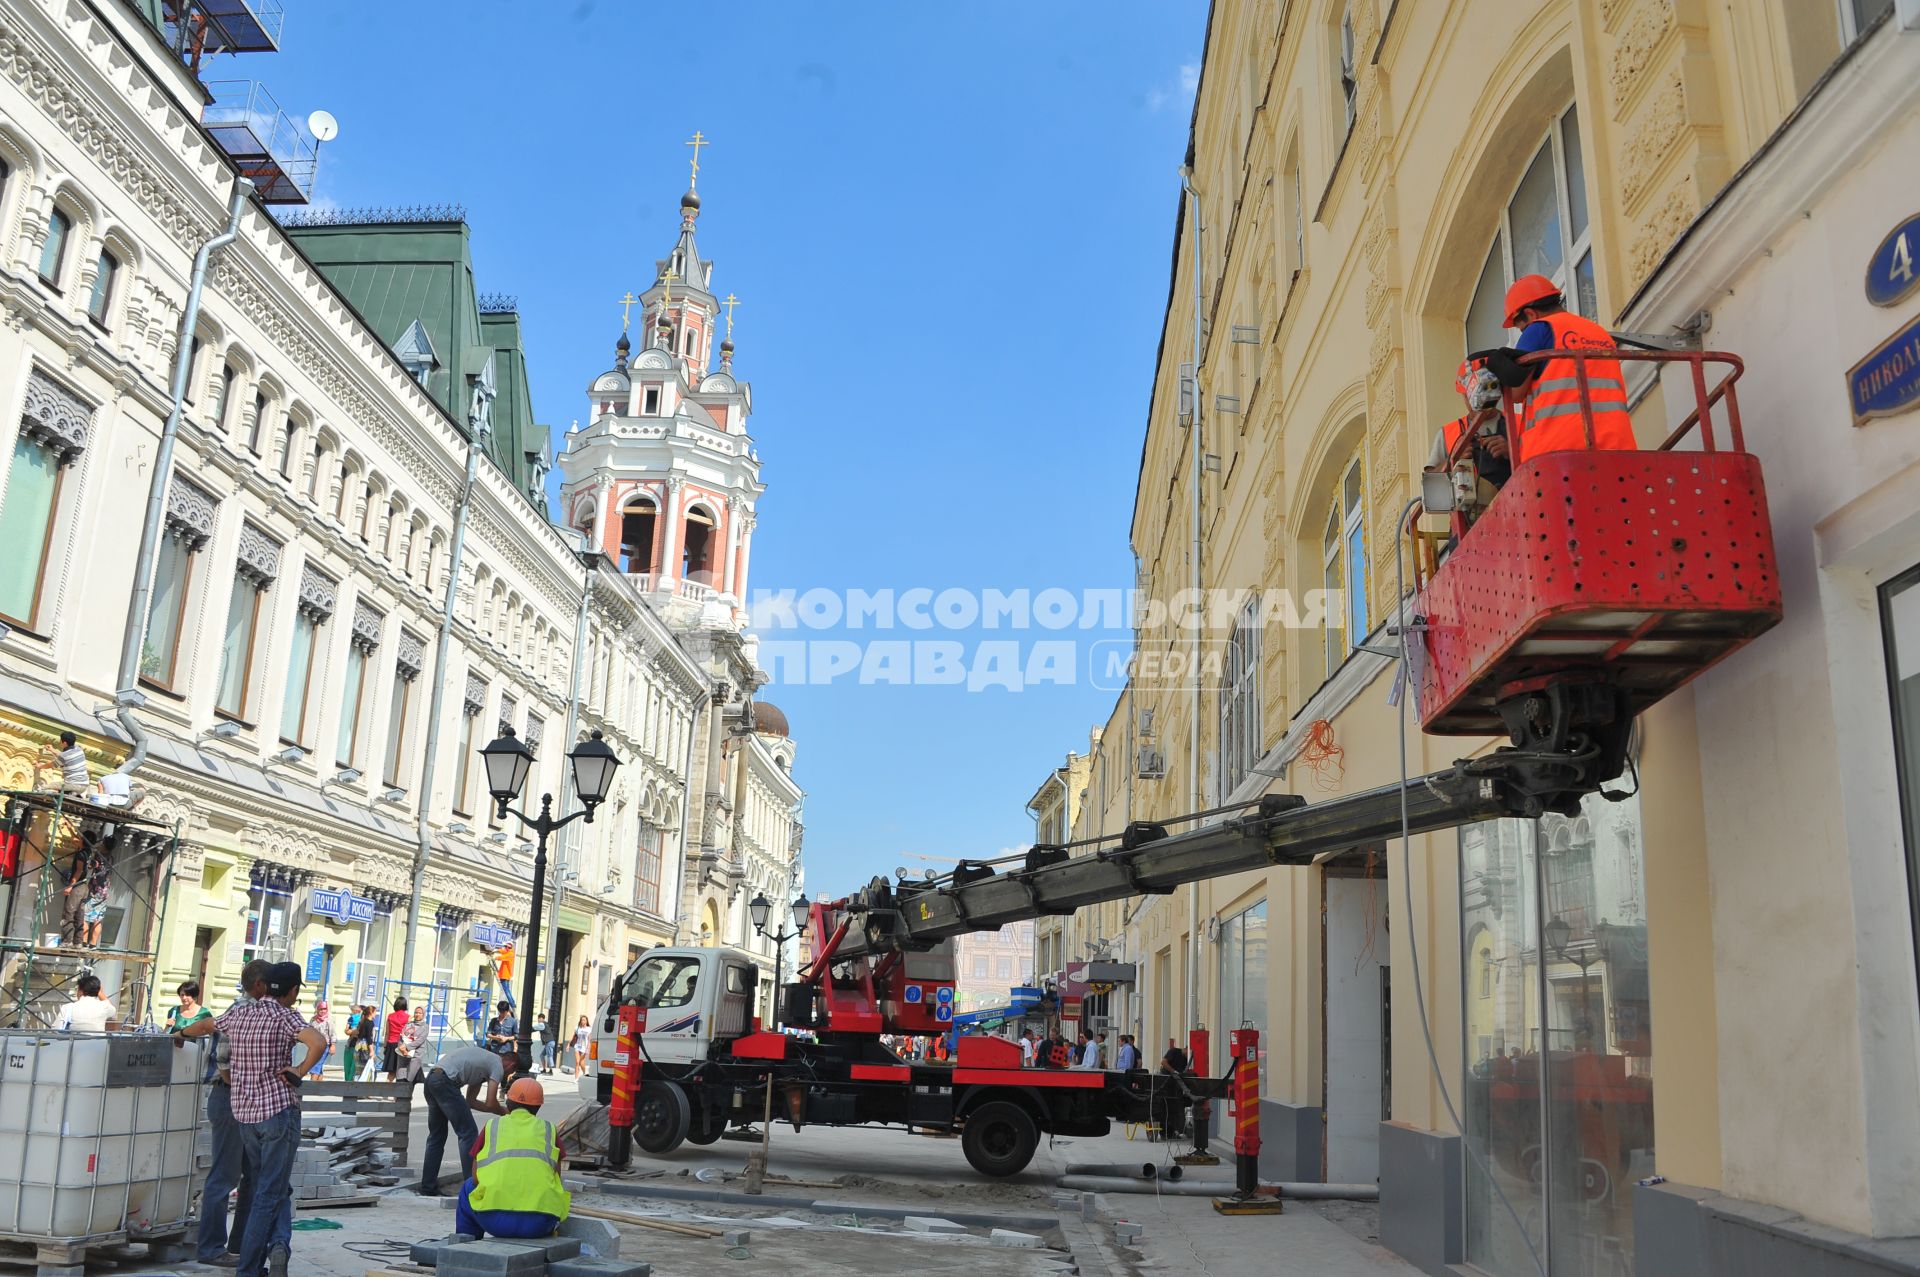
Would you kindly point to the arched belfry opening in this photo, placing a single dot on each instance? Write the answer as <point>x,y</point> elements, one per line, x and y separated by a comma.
<point>697,558</point>
<point>639,523</point>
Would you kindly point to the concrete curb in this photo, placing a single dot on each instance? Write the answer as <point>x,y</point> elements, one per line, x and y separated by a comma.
<point>977,1218</point>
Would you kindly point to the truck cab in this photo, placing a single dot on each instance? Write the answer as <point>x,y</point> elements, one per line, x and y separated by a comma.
<point>688,999</point>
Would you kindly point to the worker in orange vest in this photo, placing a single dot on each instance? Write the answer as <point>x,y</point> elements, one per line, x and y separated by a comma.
<point>1550,418</point>
<point>1492,462</point>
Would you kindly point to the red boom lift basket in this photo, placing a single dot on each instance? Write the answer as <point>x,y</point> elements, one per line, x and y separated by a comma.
<point>1639,569</point>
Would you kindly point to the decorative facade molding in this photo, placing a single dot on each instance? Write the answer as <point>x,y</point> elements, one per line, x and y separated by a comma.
<point>507,707</point>
<point>190,511</point>
<point>318,595</point>
<point>536,729</point>
<point>56,417</point>
<point>476,694</point>
<point>258,557</point>
<point>366,628</point>
<point>410,656</point>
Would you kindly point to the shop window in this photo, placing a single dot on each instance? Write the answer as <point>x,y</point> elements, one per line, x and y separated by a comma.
<point>1240,741</point>
<point>1243,978</point>
<point>269,923</point>
<point>1559,1066</point>
<point>1343,568</point>
<point>1543,230</point>
<point>1900,622</point>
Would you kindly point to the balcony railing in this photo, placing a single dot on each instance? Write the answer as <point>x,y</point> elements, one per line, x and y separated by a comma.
<point>696,592</point>
<point>199,27</point>
<point>264,142</point>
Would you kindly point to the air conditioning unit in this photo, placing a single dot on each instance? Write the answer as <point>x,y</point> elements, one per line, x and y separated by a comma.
<point>1152,764</point>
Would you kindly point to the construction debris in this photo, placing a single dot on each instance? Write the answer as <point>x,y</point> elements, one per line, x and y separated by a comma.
<point>335,1163</point>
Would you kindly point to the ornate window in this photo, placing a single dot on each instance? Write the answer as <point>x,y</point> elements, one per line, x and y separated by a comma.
<point>1543,231</point>
<point>189,524</point>
<point>54,427</point>
<point>53,253</point>
<point>317,601</point>
<point>1343,559</point>
<point>646,879</point>
<point>476,697</point>
<point>258,565</point>
<point>408,663</point>
<point>361,645</point>
<point>1240,739</point>
<point>101,299</point>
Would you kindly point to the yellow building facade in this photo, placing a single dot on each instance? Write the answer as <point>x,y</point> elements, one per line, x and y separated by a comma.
<point>1510,1026</point>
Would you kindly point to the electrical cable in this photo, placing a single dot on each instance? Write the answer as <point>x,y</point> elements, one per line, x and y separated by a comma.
<point>1406,884</point>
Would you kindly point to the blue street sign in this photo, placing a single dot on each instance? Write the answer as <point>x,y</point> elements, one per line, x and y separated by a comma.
<point>341,905</point>
<point>493,937</point>
<point>945,994</point>
<point>1891,271</point>
<point>915,994</point>
<point>1888,380</point>
<point>316,960</point>
<point>944,1012</point>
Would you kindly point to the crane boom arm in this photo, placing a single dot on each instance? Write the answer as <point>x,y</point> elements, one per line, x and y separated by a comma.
<point>1283,829</point>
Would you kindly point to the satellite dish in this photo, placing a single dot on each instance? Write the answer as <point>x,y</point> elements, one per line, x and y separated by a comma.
<point>323,126</point>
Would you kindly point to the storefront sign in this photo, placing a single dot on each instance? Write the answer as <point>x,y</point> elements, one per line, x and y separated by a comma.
<point>1888,380</point>
<point>316,961</point>
<point>341,905</point>
<point>1890,271</point>
<point>493,937</point>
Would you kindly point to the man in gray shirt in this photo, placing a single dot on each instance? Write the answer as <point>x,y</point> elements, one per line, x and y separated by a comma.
<point>468,1067</point>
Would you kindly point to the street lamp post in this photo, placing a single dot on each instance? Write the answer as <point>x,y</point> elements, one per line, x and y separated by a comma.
<point>758,909</point>
<point>508,761</point>
<point>1559,934</point>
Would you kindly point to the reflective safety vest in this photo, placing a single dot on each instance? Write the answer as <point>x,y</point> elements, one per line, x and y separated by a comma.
<point>1552,411</point>
<point>518,1167</point>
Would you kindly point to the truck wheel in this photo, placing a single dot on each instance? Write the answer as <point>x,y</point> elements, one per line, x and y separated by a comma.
<point>661,1117</point>
<point>706,1128</point>
<point>999,1138</point>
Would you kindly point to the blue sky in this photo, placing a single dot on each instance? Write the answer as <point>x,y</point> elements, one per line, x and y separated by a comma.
<point>949,226</point>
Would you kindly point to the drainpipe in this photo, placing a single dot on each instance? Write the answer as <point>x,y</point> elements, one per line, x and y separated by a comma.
<point>423,844</point>
<point>127,685</point>
<point>681,899</point>
<point>1193,553</point>
<point>569,841</point>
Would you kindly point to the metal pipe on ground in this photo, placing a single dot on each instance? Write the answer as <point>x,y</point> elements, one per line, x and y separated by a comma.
<point>1129,1170</point>
<point>1219,1188</point>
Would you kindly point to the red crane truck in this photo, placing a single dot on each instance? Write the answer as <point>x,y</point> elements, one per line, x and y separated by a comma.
<point>1593,584</point>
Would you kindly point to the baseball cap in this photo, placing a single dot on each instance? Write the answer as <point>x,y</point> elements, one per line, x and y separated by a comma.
<point>283,977</point>
<point>526,1090</point>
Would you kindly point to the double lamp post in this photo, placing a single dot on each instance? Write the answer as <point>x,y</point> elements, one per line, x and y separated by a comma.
<point>508,761</point>
<point>758,909</point>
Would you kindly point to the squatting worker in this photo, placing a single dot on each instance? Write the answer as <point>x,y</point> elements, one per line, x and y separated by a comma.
<point>515,1188</point>
<point>1492,460</point>
<point>468,1067</point>
<point>1550,418</point>
<point>261,1082</point>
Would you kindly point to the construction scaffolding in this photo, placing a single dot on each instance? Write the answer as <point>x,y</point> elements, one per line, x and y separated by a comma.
<point>85,892</point>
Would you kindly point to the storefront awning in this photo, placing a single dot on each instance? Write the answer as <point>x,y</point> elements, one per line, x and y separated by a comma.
<point>575,921</point>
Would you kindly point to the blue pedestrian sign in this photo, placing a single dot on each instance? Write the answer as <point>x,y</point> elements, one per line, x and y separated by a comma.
<point>915,995</point>
<point>944,1012</point>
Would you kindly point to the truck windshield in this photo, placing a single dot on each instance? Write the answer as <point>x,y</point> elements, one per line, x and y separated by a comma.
<point>664,982</point>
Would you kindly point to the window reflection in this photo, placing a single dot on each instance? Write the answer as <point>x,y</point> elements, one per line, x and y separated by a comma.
<point>1559,1090</point>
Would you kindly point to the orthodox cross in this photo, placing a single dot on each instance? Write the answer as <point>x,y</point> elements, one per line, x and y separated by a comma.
<point>626,305</point>
<point>666,278</point>
<point>730,303</point>
<point>698,140</point>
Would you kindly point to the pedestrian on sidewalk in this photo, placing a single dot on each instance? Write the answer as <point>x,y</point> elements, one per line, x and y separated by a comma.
<point>544,1036</point>
<point>1127,1057</point>
<point>515,1188</point>
<point>413,1048</point>
<point>90,1012</point>
<point>366,1042</point>
<point>323,1022</point>
<point>504,1035</point>
<point>261,1087</point>
<point>582,1039</point>
<point>190,1009</point>
<point>470,1067</point>
<point>396,1025</point>
<point>217,1244</point>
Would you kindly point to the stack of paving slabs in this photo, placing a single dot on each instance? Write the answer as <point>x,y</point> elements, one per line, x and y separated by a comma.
<point>336,1162</point>
<point>558,1256</point>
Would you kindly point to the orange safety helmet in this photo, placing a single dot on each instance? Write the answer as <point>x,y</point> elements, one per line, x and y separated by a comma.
<point>1463,378</point>
<point>1526,291</point>
<point>527,1091</point>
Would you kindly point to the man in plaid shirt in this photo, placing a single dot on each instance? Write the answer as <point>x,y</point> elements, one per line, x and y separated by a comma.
<point>260,1035</point>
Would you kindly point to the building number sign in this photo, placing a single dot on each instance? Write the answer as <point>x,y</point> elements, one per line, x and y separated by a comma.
<point>1891,272</point>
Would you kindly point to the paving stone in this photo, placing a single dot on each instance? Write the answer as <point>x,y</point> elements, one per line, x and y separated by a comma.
<point>1088,1207</point>
<point>600,1268</point>
<point>736,1237</point>
<point>932,1224</point>
<point>1016,1241</point>
<point>1127,1234</point>
<point>428,1253</point>
<point>597,1235</point>
<point>560,1247</point>
<point>493,1259</point>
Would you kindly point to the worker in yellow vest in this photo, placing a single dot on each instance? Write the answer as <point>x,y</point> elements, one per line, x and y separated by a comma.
<point>515,1190</point>
<point>1551,417</point>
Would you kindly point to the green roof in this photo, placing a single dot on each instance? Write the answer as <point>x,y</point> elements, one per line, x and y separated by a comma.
<point>398,273</point>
